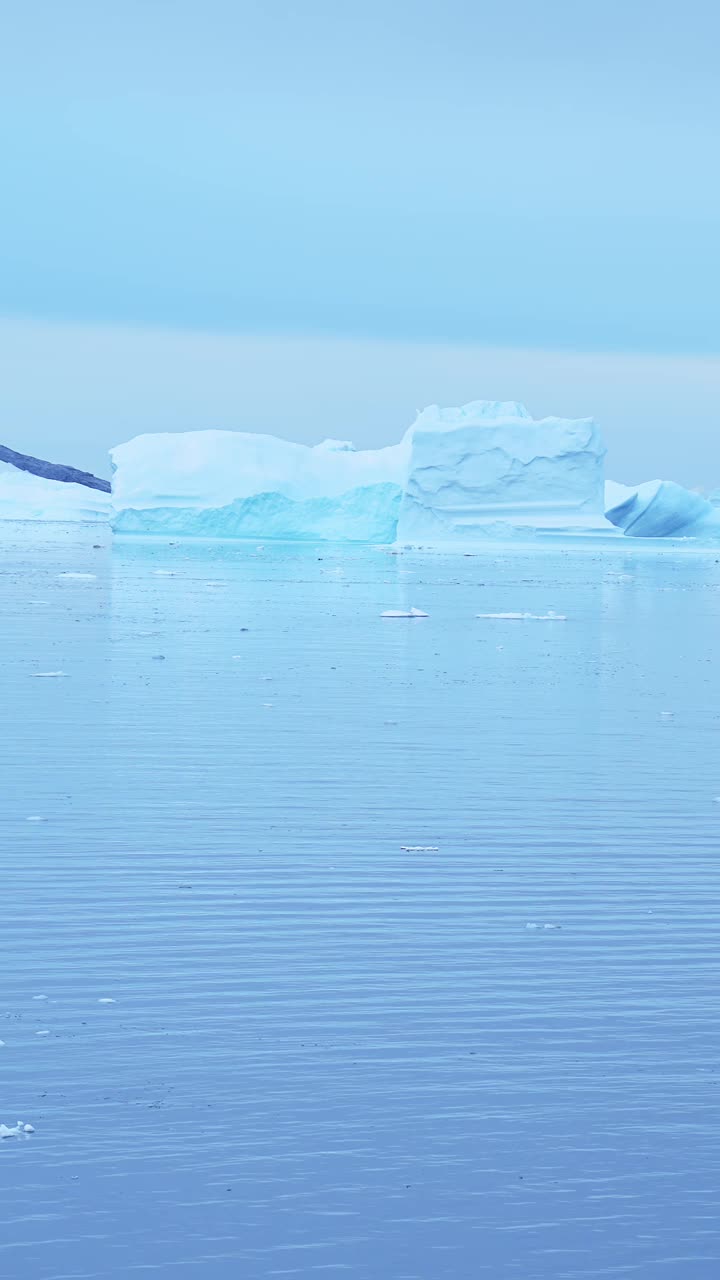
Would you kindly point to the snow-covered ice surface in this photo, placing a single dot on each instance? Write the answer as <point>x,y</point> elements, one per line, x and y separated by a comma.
<point>329,1054</point>
<point>29,497</point>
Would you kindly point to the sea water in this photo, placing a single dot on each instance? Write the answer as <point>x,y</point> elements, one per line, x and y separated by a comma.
<point>335,944</point>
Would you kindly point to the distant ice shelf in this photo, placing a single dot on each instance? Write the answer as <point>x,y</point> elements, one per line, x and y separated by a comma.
<point>27,495</point>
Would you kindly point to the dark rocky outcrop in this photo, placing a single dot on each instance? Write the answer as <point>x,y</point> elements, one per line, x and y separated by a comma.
<point>52,470</point>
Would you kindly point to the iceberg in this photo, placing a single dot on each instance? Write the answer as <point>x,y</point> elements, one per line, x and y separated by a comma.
<point>456,475</point>
<point>661,509</point>
<point>31,489</point>
<point>459,476</point>
<point>489,469</point>
<point>237,484</point>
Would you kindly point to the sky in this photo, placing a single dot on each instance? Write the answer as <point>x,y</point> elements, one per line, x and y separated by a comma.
<point>537,178</point>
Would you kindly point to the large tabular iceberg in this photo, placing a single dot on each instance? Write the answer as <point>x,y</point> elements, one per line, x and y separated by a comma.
<point>238,484</point>
<point>457,475</point>
<point>489,468</point>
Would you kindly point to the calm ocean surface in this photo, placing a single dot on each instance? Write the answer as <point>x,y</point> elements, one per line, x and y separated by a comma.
<point>327,1055</point>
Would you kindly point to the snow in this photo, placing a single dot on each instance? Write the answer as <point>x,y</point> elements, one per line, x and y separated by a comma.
<point>24,496</point>
<point>661,509</point>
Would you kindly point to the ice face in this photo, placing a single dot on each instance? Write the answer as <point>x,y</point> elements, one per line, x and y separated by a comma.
<point>26,496</point>
<point>459,475</point>
<point>661,509</point>
<point>490,468</point>
<point>456,473</point>
<point>238,484</point>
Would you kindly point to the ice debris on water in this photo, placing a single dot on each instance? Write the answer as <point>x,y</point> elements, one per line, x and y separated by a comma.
<point>35,818</point>
<point>47,675</point>
<point>107,1000</point>
<point>404,613</point>
<point>39,997</point>
<point>77,575</point>
<point>419,848</point>
<point>18,1130</point>
<point>523,617</point>
<point>42,1033</point>
<point>533,925</point>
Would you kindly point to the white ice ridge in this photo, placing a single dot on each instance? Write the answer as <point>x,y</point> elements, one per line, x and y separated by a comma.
<point>24,496</point>
<point>661,509</point>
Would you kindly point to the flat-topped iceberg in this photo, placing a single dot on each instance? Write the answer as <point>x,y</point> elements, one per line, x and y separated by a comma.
<point>239,484</point>
<point>490,468</point>
<point>456,475</point>
<point>487,470</point>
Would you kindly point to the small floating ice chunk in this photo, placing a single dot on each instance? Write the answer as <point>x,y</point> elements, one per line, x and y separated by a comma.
<point>419,848</point>
<point>533,925</point>
<point>77,575</point>
<point>107,1000</point>
<point>47,675</point>
<point>2,1044</point>
<point>164,573</point>
<point>39,997</point>
<point>35,818</point>
<point>404,613</point>
<point>15,1131</point>
<point>42,1033</point>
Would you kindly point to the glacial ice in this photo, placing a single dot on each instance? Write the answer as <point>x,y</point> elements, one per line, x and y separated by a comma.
<point>489,468</point>
<point>25,496</point>
<point>456,476</point>
<point>661,509</point>
<point>238,484</point>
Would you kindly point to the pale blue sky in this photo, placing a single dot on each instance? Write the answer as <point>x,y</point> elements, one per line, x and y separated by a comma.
<point>510,174</point>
